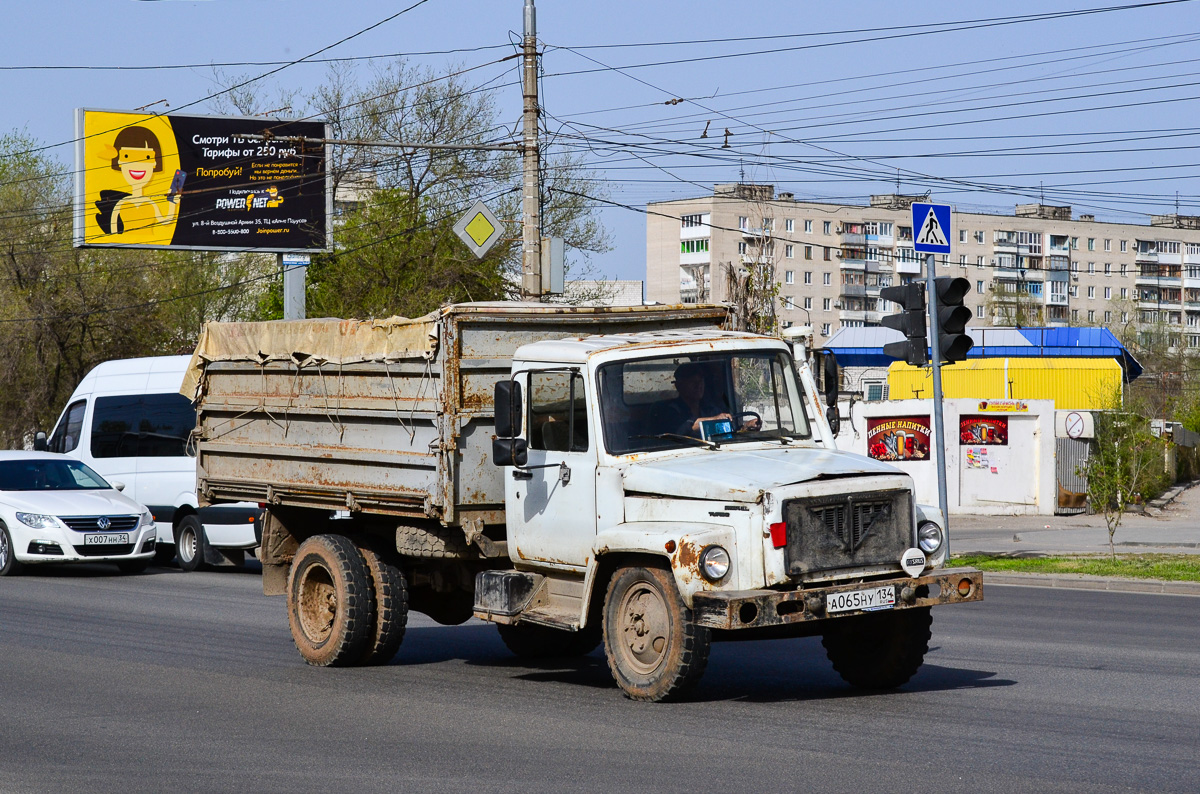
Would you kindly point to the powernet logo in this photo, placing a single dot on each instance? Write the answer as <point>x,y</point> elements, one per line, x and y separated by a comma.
<point>252,201</point>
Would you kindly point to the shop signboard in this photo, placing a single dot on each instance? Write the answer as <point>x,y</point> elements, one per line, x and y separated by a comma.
<point>898,438</point>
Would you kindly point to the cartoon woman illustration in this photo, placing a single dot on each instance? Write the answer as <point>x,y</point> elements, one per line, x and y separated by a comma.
<point>138,156</point>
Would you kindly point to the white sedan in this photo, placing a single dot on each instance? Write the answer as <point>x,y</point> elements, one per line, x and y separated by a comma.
<point>54,509</point>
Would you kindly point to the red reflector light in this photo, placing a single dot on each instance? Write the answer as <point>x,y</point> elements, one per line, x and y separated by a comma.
<point>779,535</point>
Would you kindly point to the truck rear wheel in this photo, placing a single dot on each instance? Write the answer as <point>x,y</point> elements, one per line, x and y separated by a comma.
<point>654,650</point>
<point>879,650</point>
<point>331,609</point>
<point>540,642</point>
<point>391,608</point>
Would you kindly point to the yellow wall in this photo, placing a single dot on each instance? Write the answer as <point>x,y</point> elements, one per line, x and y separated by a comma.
<point>1073,383</point>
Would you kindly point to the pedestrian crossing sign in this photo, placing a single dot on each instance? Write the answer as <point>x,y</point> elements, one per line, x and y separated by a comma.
<point>931,228</point>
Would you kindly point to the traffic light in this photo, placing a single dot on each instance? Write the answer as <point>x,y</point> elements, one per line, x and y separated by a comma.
<point>910,322</point>
<point>952,316</point>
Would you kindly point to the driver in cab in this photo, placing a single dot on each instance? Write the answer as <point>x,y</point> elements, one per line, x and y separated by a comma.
<point>684,414</point>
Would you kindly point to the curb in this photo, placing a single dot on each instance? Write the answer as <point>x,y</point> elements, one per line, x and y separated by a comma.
<point>1081,581</point>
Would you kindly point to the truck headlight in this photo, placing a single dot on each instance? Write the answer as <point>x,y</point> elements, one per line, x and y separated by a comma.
<point>714,563</point>
<point>929,537</point>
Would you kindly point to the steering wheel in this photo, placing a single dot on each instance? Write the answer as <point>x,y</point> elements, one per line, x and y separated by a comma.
<point>742,424</point>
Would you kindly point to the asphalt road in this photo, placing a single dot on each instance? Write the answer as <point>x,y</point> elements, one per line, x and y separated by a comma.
<point>189,682</point>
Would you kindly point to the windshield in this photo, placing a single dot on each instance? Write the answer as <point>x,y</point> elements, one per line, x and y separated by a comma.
<point>718,398</point>
<point>44,474</point>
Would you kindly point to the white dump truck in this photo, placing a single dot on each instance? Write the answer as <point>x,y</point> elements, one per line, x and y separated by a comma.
<point>636,477</point>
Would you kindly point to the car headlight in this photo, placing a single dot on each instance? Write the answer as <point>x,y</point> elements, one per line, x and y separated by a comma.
<point>929,537</point>
<point>147,519</point>
<point>714,563</point>
<point>37,520</point>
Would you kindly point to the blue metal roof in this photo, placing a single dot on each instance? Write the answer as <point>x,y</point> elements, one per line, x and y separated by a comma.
<point>863,347</point>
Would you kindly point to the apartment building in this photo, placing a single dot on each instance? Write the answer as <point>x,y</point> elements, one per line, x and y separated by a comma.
<point>1040,266</point>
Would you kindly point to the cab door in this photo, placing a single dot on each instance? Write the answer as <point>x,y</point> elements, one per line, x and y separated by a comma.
<point>551,502</point>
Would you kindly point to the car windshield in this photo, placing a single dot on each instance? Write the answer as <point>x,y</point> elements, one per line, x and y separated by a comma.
<point>676,401</point>
<point>43,474</point>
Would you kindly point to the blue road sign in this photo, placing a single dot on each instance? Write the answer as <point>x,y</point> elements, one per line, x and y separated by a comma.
<point>931,228</point>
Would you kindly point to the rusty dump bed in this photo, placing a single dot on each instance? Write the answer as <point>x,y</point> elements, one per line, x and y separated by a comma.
<point>391,417</point>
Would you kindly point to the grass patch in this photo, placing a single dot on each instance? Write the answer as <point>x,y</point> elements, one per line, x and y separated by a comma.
<point>1172,567</point>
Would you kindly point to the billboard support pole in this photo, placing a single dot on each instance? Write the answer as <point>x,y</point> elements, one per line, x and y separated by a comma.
<point>294,287</point>
<point>936,359</point>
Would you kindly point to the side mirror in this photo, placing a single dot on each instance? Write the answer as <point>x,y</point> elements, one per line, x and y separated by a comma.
<point>39,442</point>
<point>829,378</point>
<point>120,486</point>
<point>834,419</point>
<point>510,451</point>
<point>507,408</point>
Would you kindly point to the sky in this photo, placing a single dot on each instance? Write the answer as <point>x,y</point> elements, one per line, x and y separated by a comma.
<point>984,104</point>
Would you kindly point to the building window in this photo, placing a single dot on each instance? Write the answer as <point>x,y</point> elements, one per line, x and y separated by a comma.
<point>807,276</point>
<point>979,286</point>
<point>1124,293</point>
<point>826,226</point>
<point>789,251</point>
<point>1091,243</point>
<point>1074,243</point>
<point>825,329</point>
<point>1091,315</point>
<point>789,277</point>
<point>962,260</point>
<point>825,279</point>
<point>741,248</point>
<point>962,235</point>
<point>828,254</point>
<point>979,237</point>
<point>1108,245</point>
<point>1074,266</point>
<point>693,246</point>
<point>1124,268</point>
<point>808,303</point>
<point>1107,269</point>
<point>1091,292</point>
<point>1124,246</point>
<point>1073,291</point>
<point>825,304</point>
<point>1108,293</point>
<point>1108,317</point>
<point>1074,315</point>
<point>808,227</point>
<point>980,260</point>
<point>1124,317</point>
<point>808,252</point>
<point>692,221</point>
<point>1091,267</point>
<point>743,222</point>
<point>789,225</point>
<point>768,224</point>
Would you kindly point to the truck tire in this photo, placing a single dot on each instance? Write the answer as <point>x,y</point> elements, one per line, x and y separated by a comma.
<point>879,650</point>
<point>8,555</point>
<point>654,649</point>
<point>331,610</point>
<point>189,543</point>
<point>540,642</point>
<point>391,608</point>
<point>433,542</point>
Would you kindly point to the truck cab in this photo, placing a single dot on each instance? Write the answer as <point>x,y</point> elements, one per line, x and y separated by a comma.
<point>703,455</point>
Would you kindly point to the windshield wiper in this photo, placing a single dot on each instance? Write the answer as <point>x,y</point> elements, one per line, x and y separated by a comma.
<point>682,437</point>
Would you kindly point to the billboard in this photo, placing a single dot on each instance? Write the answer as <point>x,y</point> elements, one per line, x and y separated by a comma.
<point>983,430</point>
<point>898,437</point>
<point>176,181</point>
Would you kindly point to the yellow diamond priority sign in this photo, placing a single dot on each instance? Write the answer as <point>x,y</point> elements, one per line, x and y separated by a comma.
<point>479,229</point>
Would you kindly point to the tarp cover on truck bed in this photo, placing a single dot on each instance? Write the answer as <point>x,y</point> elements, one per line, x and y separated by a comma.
<point>312,342</point>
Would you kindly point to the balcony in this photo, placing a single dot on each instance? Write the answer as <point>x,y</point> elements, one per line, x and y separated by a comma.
<point>1153,279</point>
<point>857,316</point>
<point>695,258</point>
<point>853,238</point>
<point>1056,299</point>
<point>1146,257</point>
<point>695,232</point>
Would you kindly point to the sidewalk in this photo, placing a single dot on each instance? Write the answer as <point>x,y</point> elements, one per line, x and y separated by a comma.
<point>1176,530</point>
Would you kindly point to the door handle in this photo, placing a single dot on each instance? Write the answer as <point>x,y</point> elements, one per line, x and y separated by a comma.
<point>526,472</point>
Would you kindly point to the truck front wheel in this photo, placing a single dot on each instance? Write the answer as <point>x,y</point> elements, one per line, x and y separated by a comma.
<point>331,605</point>
<point>654,649</point>
<point>879,650</point>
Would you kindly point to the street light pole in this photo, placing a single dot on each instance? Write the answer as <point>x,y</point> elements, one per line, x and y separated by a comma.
<point>531,224</point>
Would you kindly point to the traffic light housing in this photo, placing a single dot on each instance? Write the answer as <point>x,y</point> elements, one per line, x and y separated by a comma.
<point>952,317</point>
<point>910,322</point>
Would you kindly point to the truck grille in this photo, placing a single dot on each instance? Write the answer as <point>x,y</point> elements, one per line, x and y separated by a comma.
<point>847,530</point>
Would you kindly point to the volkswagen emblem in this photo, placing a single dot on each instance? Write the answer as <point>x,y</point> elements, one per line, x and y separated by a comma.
<point>103,523</point>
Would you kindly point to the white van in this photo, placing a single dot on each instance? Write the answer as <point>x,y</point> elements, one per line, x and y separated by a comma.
<point>128,421</point>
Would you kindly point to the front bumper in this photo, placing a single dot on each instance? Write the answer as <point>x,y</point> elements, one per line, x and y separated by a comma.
<point>63,546</point>
<point>748,609</point>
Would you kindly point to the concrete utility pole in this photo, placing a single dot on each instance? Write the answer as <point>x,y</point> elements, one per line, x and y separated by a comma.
<point>531,214</point>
